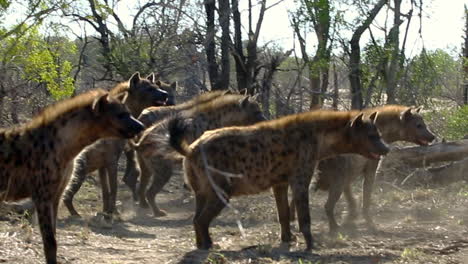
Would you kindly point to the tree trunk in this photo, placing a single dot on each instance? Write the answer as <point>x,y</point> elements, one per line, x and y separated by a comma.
<point>336,95</point>
<point>270,70</point>
<point>238,52</point>
<point>465,57</point>
<point>210,46</point>
<point>224,14</point>
<point>394,45</point>
<point>355,57</point>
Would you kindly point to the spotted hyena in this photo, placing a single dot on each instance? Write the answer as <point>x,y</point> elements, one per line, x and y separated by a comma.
<point>395,123</point>
<point>35,157</point>
<point>153,115</point>
<point>272,154</point>
<point>103,156</point>
<point>226,110</point>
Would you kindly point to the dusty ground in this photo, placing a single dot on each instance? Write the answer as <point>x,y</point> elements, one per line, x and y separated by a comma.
<point>416,225</point>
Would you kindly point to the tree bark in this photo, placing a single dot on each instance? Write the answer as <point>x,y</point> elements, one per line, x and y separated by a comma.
<point>393,44</point>
<point>336,92</point>
<point>355,57</point>
<point>270,70</point>
<point>465,60</point>
<point>238,52</point>
<point>224,18</point>
<point>424,156</point>
<point>247,66</point>
<point>210,45</point>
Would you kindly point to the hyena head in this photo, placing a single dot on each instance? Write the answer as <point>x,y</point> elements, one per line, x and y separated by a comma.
<point>114,117</point>
<point>413,127</point>
<point>170,89</point>
<point>143,93</point>
<point>246,111</point>
<point>365,137</point>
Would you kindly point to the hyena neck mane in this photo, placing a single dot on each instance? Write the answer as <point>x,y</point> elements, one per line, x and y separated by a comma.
<point>223,111</point>
<point>122,87</point>
<point>154,114</point>
<point>65,127</point>
<point>389,121</point>
<point>198,101</point>
<point>323,130</point>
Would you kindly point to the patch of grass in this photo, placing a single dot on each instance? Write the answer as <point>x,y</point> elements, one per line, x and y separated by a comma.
<point>463,192</point>
<point>342,238</point>
<point>216,258</point>
<point>84,234</point>
<point>411,254</point>
<point>300,261</point>
<point>264,249</point>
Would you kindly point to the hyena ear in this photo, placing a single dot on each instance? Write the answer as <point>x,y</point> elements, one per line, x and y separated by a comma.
<point>122,97</point>
<point>417,110</point>
<point>373,117</point>
<point>405,114</point>
<point>254,98</point>
<point>228,91</point>
<point>243,92</point>
<point>356,121</point>
<point>244,101</point>
<point>134,80</point>
<point>153,77</point>
<point>99,102</point>
<point>173,86</point>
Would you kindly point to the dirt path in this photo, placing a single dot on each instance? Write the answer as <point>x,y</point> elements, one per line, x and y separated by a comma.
<point>415,226</point>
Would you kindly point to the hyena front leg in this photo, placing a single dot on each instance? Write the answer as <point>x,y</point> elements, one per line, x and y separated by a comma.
<point>281,198</point>
<point>112,180</point>
<point>80,171</point>
<point>145,174</point>
<point>105,192</point>
<point>334,194</point>
<point>131,172</point>
<point>352,207</point>
<point>368,185</point>
<point>45,213</point>
<point>300,186</point>
<point>162,172</point>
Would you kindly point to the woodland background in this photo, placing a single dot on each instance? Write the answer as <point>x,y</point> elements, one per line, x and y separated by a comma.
<point>342,58</point>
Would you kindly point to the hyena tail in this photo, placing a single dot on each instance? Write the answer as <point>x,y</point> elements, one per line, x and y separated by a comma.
<point>177,128</point>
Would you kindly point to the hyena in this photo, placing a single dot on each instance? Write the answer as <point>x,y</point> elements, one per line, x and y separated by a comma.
<point>104,154</point>
<point>153,115</point>
<point>35,157</point>
<point>395,123</point>
<point>275,154</point>
<point>155,164</point>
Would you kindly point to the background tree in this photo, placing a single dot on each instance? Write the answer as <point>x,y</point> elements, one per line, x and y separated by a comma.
<point>465,59</point>
<point>317,13</point>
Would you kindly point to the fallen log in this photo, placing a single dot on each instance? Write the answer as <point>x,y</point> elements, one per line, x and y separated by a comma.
<point>422,156</point>
<point>437,164</point>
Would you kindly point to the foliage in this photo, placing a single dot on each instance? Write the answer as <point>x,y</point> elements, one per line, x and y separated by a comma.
<point>41,61</point>
<point>448,123</point>
<point>457,123</point>
<point>430,74</point>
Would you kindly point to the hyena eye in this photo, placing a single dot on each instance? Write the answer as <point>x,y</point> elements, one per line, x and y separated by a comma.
<point>419,126</point>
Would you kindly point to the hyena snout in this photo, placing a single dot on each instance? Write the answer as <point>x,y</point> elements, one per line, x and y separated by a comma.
<point>378,148</point>
<point>424,137</point>
<point>160,97</point>
<point>130,127</point>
